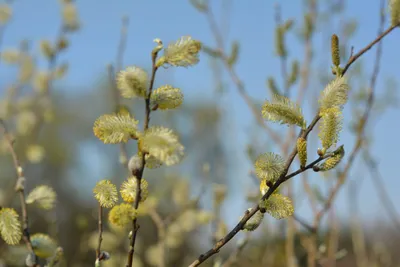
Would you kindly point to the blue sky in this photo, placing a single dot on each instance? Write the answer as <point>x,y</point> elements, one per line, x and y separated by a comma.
<point>251,22</point>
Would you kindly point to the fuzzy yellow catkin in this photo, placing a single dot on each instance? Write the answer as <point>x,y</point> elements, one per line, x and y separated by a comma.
<point>5,14</point>
<point>234,54</point>
<point>394,7</point>
<point>308,26</point>
<point>331,162</point>
<point>271,84</point>
<point>129,190</point>
<point>62,44</point>
<point>47,49</point>
<point>302,151</point>
<point>280,41</point>
<point>294,72</point>
<point>254,222</point>
<point>335,50</point>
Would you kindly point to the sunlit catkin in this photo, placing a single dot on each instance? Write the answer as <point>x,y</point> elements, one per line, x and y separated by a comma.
<point>302,151</point>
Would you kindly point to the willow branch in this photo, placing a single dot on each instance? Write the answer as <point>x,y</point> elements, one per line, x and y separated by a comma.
<point>284,177</point>
<point>353,58</point>
<point>363,121</point>
<point>19,187</point>
<point>248,214</point>
<point>138,174</point>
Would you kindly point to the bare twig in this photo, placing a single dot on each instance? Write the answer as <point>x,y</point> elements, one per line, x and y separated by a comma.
<point>138,174</point>
<point>21,190</point>
<point>353,58</point>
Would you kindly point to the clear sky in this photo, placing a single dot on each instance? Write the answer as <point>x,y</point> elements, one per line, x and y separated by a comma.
<point>251,22</point>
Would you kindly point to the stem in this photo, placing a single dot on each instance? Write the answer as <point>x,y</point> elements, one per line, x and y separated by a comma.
<point>249,214</point>
<point>100,224</point>
<point>283,177</point>
<point>353,58</point>
<point>138,174</point>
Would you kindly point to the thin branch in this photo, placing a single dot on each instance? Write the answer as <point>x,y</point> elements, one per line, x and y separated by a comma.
<point>100,225</point>
<point>138,174</point>
<point>363,121</point>
<point>233,258</point>
<point>283,58</point>
<point>381,191</point>
<point>283,177</point>
<point>353,58</point>
<point>51,67</point>
<point>122,44</point>
<point>248,214</point>
<point>303,223</point>
<point>158,221</point>
<point>235,78</point>
<point>122,146</point>
<point>21,191</point>
<point>111,79</point>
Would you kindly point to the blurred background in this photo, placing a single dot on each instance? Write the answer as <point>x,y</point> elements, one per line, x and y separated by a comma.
<point>251,49</point>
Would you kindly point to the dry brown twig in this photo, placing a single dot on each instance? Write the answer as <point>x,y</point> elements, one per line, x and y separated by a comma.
<point>284,177</point>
